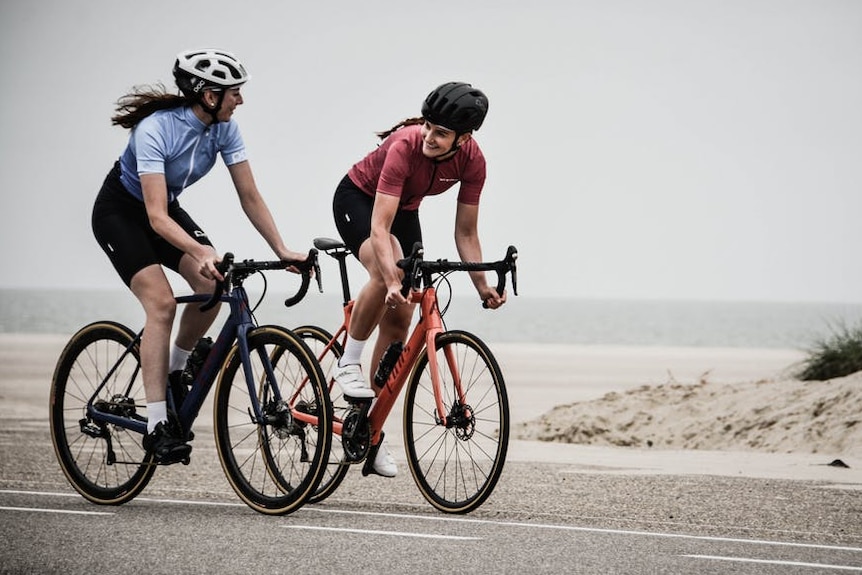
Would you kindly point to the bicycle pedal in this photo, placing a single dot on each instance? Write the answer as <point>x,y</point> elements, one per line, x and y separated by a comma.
<point>357,401</point>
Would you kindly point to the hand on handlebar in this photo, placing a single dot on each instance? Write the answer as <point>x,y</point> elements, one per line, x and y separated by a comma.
<point>295,256</point>
<point>491,299</point>
<point>394,297</point>
<point>207,266</point>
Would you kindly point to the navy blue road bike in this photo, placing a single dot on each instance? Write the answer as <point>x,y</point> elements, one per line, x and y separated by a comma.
<point>272,412</point>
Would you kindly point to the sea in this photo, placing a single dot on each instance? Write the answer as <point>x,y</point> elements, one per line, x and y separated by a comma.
<point>523,319</point>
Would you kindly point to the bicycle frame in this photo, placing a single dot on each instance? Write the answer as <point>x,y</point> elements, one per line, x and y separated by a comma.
<point>454,454</point>
<point>424,335</point>
<point>235,328</point>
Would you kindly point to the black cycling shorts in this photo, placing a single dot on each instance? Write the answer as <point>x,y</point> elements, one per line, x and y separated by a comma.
<point>352,210</point>
<point>122,228</point>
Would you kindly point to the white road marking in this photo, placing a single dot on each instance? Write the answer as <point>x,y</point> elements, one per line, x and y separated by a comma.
<point>311,509</point>
<point>589,529</point>
<point>775,562</point>
<point>378,532</point>
<point>68,511</point>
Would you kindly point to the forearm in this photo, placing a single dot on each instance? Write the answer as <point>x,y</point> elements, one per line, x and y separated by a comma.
<point>470,250</point>
<point>261,218</point>
<point>381,244</point>
<point>256,210</point>
<point>175,235</point>
<point>155,193</point>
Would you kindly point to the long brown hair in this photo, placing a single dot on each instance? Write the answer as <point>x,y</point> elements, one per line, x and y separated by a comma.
<point>402,124</point>
<point>143,101</point>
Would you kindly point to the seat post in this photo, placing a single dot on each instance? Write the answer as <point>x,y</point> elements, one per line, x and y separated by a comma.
<point>341,256</point>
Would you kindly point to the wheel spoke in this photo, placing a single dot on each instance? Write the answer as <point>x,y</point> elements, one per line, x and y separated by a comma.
<point>457,465</point>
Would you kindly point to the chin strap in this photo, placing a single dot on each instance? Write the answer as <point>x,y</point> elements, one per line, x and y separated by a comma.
<point>214,111</point>
<point>454,149</point>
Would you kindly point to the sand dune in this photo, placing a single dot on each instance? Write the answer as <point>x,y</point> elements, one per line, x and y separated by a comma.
<point>779,416</point>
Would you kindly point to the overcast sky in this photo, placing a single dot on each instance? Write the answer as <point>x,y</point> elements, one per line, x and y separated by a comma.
<point>636,149</point>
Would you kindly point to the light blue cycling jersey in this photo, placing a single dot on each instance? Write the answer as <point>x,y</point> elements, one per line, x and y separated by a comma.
<point>178,144</point>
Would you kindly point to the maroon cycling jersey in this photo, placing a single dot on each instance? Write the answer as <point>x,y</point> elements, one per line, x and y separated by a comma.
<point>399,168</point>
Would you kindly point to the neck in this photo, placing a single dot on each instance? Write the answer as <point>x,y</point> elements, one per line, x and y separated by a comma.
<point>447,156</point>
<point>203,115</point>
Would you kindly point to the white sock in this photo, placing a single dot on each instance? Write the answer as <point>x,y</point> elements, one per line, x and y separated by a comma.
<point>179,356</point>
<point>156,411</point>
<point>352,352</point>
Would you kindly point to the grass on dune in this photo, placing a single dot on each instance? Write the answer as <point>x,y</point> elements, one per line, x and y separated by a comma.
<point>837,355</point>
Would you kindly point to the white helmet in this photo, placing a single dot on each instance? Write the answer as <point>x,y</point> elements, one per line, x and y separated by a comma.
<point>198,70</point>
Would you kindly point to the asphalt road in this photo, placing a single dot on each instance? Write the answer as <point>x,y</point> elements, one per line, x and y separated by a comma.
<point>544,517</point>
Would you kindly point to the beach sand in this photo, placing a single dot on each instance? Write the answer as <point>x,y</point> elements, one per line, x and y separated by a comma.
<point>604,409</point>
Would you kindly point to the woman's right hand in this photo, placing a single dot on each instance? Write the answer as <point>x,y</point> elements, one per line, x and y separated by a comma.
<point>206,264</point>
<point>393,295</point>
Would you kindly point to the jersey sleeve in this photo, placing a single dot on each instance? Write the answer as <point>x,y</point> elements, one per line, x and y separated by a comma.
<point>150,147</point>
<point>232,146</point>
<point>473,179</point>
<point>395,170</point>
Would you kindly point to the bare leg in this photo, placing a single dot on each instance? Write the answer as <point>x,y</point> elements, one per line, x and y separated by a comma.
<point>194,323</point>
<point>153,290</point>
<point>370,311</point>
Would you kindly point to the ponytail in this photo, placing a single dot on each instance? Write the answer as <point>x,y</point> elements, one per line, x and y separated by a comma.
<point>402,124</point>
<point>143,101</point>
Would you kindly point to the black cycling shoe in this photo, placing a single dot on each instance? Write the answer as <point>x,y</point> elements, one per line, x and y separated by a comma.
<point>166,445</point>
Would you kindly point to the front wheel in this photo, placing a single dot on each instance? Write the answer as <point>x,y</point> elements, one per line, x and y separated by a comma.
<point>456,457</point>
<point>273,423</point>
<point>105,463</point>
<point>328,351</point>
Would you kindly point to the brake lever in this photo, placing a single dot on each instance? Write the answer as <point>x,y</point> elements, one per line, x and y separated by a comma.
<point>223,268</point>
<point>512,258</point>
<point>317,274</point>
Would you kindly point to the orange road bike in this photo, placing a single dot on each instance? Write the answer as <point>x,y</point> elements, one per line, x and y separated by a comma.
<point>456,411</point>
<point>273,428</point>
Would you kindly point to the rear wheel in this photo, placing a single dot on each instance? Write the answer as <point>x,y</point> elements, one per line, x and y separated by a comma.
<point>456,457</point>
<point>318,340</point>
<point>273,450</point>
<point>105,463</point>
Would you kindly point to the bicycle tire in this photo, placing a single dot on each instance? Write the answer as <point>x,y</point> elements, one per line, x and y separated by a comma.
<point>276,464</point>
<point>456,468</point>
<point>317,339</point>
<point>82,366</point>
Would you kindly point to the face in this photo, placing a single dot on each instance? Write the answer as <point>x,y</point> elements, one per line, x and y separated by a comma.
<point>232,99</point>
<point>438,141</point>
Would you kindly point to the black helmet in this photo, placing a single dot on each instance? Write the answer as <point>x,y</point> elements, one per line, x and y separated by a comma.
<point>457,106</point>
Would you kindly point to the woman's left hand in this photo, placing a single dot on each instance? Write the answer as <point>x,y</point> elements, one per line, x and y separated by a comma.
<point>491,298</point>
<point>292,255</point>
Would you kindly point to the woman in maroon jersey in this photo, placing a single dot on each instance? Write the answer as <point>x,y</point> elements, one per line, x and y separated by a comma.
<point>376,212</point>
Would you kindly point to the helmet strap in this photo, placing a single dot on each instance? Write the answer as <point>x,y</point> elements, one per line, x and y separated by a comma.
<point>455,145</point>
<point>215,109</point>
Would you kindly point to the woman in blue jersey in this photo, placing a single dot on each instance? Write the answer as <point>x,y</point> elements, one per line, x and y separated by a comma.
<point>138,221</point>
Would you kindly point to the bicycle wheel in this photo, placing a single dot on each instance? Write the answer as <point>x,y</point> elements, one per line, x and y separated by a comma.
<point>273,462</point>
<point>106,464</point>
<point>457,465</point>
<point>318,339</point>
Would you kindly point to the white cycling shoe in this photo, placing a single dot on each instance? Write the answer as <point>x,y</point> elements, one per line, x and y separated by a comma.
<point>351,381</point>
<point>384,464</point>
